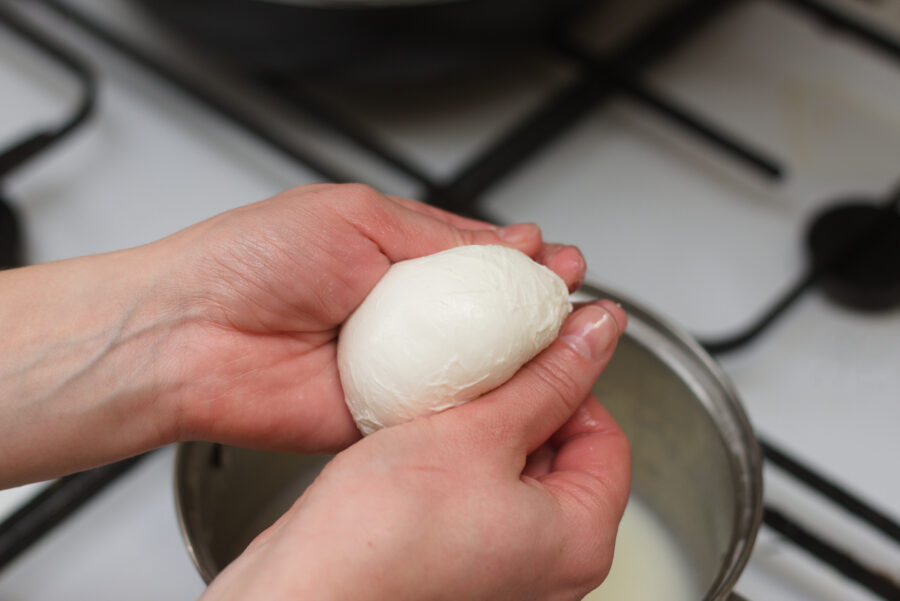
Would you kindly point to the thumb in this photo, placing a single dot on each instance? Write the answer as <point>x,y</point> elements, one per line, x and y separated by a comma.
<point>542,396</point>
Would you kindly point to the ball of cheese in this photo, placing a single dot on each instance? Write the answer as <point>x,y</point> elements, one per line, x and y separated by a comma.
<point>441,330</point>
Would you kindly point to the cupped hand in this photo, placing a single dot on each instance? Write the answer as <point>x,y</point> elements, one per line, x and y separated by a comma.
<point>516,495</point>
<point>262,290</point>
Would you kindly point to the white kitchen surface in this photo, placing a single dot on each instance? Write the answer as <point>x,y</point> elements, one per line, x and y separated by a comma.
<point>661,218</point>
<point>124,544</point>
<point>13,498</point>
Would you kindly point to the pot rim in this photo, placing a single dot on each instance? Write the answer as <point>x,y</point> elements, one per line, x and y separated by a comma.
<point>713,388</point>
<point>182,494</point>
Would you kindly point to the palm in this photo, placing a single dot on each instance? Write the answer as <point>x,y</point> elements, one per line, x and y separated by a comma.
<point>278,279</point>
<point>268,346</point>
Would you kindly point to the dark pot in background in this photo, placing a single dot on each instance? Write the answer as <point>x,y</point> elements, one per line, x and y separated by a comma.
<point>371,41</point>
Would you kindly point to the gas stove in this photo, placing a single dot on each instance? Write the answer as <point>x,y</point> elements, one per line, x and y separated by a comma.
<point>726,163</point>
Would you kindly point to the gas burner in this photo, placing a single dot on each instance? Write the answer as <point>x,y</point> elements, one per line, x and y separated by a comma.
<point>855,247</point>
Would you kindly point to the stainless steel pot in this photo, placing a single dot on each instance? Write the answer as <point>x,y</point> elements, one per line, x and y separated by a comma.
<point>696,462</point>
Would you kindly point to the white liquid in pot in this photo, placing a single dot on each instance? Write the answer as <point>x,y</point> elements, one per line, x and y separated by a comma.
<point>648,565</point>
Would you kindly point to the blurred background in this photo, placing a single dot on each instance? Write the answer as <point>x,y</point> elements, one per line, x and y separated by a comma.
<point>733,165</point>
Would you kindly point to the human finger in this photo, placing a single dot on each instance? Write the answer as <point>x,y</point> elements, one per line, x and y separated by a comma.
<point>592,455</point>
<point>466,223</point>
<point>565,261</point>
<point>540,461</point>
<point>402,233</point>
<point>544,394</point>
<point>576,447</point>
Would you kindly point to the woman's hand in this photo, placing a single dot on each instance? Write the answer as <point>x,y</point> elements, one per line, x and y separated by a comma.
<point>224,331</point>
<point>268,286</point>
<point>516,495</point>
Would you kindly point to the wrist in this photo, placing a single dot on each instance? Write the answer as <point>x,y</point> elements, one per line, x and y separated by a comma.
<point>144,349</point>
<point>82,382</point>
<point>291,574</point>
<point>157,337</point>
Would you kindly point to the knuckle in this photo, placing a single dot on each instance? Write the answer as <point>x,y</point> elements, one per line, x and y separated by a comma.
<point>465,237</point>
<point>358,196</point>
<point>361,206</point>
<point>556,378</point>
<point>304,194</point>
<point>461,237</point>
<point>318,188</point>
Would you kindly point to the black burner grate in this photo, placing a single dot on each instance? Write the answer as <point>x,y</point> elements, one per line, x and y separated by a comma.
<point>36,142</point>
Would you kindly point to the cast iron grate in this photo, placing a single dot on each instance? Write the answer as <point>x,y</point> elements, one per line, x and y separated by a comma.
<point>40,139</point>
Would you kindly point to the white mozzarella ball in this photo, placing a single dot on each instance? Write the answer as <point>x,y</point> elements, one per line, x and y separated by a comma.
<point>441,330</point>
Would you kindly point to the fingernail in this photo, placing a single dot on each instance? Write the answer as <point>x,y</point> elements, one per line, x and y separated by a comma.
<point>592,332</point>
<point>519,232</point>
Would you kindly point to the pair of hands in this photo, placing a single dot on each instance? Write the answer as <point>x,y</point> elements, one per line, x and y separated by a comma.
<point>228,332</point>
